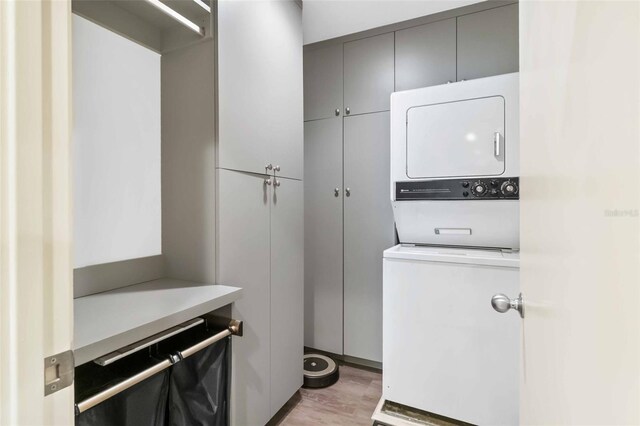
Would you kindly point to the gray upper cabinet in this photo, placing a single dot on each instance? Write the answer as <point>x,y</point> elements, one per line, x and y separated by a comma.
<point>426,55</point>
<point>260,86</point>
<point>368,74</point>
<point>488,42</point>
<point>323,82</point>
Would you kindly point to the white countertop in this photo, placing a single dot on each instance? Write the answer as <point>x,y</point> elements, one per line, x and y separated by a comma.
<point>105,322</point>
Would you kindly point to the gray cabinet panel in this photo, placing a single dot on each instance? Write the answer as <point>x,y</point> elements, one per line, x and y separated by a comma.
<point>426,55</point>
<point>323,234</point>
<point>322,82</point>
<point>368,74</point>
<point>368,231</point>
<point>287,291</point>
<point>488,42</point>
<point>244,260</point>
<point>285,84</point>
<point>260,86</point>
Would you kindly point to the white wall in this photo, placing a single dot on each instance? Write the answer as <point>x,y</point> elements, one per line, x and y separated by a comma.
<point>325,19</point>
<point>116,143</point>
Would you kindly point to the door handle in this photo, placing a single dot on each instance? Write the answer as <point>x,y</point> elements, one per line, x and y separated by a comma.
<point>502,304</point>
<point>496,144</point>
<point>347,192</point>
<point>276,182</point>
<point>336,192</point>
<point>267,181</point>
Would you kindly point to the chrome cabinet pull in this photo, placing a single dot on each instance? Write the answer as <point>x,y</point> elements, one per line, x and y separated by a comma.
<point>337,112</point>
<point>347,192</point>
<point>276,168</point>
<point>276,182</point>
<point>267,181</point>
<point>336,192</point>
<point>269,166</point>
<point>347,110</point>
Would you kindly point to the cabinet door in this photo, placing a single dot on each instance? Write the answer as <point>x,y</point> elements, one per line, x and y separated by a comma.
<point>260,86</point>
<point>285,84</point>
<point>368,231</point>
<point>368,74</point>
<point>323,234</point>
<point>287,291</point>
<point>426,55</point>
<point>244,261</point>
<point>488,43</point>
<point>322,82</point>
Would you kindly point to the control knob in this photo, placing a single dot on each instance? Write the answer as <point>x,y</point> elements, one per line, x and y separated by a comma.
<point>509,188</point>
<point>479,188</point>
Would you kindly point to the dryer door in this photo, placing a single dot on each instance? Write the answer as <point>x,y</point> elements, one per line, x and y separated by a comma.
<point>456,139</point>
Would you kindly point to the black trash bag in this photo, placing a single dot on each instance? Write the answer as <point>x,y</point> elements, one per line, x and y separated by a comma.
<point>198,390</point>
<point>142,404</point>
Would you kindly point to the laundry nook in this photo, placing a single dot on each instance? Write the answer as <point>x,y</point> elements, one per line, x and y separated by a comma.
<point>319,212</point>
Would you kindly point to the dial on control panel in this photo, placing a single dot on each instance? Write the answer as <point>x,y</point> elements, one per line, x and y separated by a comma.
<point>509,188</point>
<point>479,188</point>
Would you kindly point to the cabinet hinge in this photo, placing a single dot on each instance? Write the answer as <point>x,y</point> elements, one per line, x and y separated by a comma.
<point>58,372</point>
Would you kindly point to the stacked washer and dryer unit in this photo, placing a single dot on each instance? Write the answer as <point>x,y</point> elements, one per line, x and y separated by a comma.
<point>454,191</point>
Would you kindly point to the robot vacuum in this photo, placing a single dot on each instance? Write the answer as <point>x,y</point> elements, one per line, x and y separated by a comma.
<point>319,371</point>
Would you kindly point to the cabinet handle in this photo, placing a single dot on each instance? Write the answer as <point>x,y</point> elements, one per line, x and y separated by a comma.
<point>269,166</point>
<point>276,182</point>
<point>276,168</point>
<point>337,112</point>
<point>347,110</point>
<point>267,181</point>
<point>336,192</point>
<point>347,192</point>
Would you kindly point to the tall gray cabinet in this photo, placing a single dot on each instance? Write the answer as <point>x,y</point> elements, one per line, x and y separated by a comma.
<point>348,221</point>
<point>348,216</point>
<point>260,199</point>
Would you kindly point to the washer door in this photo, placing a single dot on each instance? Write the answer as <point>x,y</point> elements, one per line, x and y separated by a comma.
<point>455,139</point>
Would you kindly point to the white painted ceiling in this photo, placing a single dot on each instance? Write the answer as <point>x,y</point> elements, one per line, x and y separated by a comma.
<point>325,19</point>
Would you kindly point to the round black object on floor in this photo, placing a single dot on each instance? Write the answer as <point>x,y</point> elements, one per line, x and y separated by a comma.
<point>319,371</point>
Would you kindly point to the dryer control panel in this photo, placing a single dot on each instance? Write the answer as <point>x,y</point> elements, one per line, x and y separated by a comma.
<point>459,189</point>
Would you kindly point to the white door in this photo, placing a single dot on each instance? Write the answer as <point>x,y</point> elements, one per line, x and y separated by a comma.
<point>580,204</point>
<point>462,138</point>
<point>36,284</point>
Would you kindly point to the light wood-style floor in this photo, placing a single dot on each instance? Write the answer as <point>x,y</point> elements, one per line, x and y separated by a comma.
<point>350,401</point>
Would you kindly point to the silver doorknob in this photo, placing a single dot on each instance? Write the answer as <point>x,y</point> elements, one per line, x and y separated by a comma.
<point>502,304</point>
<point>347,110</point>
<point>276,182</point>
<point>337,111</point>
<point>336,192</point>
<point>267,181</point>
<point>269,166</point>
<point>276,168</point>
<point>347,192</point>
